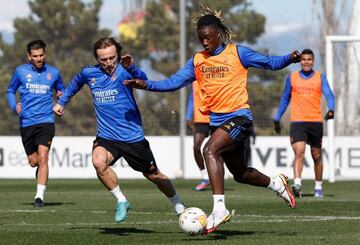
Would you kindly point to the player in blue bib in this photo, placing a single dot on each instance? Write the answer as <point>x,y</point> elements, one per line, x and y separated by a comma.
<point>119,126</point>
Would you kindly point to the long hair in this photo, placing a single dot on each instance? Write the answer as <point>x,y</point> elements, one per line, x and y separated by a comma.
<point>213,18</point>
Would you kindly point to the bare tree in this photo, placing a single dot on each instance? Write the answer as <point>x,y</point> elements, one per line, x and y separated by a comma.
<point>340,17</point>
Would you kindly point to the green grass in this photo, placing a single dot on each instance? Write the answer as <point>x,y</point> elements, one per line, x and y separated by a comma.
<point>82,212</point>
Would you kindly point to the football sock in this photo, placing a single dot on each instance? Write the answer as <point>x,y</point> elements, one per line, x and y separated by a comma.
<point>40,189</point>
<point>177,203</point>
<point>318,185</point>
<point>275,184</point>
<point>219,204</point>
<point>297,181</point>
<point>204,174</point>
<point>118,194</point>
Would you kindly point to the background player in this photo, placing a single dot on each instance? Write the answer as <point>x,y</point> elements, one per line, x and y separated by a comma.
<point>303,90</point>
<point>36,82</point>
<point>199,123</point>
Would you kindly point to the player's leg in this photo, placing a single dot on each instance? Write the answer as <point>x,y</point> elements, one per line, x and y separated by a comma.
<point>247,151</point>
<point>318,169</point>
<point>165,186</point>
<point>201,132</point>
<point>298,138</point>
<point>140,158</point>
<point>315,140</point>
<point>215,166</point>
<point>299,151</point>
<point>236,161</point>
<point>42,174</point>
<point>102,158</point>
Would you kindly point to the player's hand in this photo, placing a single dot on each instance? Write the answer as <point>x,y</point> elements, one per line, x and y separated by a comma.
<point>329,115</point>
<point>18,107</point>
<point>58,110</point>
<point>277,127</point>
<point>295,57</point>
<point>126,61</point>
<point>136,83</point>
<point>191,125</point>
<point>58,94</point>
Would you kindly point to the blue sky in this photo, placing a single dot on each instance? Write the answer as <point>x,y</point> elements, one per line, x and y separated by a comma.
<point>288,22</point>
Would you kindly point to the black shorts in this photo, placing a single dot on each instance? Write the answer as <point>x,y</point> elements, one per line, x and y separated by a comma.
<point>202,128</point>
<point>35,135</point>
<point>138,155</point>
<point>239,128</point>
<point>310,132</point>
<point>236,156</point>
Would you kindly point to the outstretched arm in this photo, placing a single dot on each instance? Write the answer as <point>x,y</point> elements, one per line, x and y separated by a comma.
<point>181,78</point>
<point>74,86</point>
<point>251,58</point>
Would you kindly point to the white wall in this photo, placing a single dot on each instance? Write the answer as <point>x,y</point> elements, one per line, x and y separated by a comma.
<point>70,157</point>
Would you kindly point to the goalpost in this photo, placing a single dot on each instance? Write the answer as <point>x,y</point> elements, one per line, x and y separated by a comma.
<point>347,76</point>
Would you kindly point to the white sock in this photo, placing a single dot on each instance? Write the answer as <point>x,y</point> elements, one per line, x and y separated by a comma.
<point>276,184</point>
<point>118,194</point>
<point>204,174</point>
<point>318,185</point>
<point>219,204</point>
<point>40,190</point>
<point>297,181</point>
<point>177,203</point>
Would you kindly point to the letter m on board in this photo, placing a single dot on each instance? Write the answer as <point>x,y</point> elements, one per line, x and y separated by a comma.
<point>1,157</point>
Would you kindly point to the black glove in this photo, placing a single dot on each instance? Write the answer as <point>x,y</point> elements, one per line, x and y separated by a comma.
<point>329,115</point>
<point>295,57</point>
<point>277,127</point>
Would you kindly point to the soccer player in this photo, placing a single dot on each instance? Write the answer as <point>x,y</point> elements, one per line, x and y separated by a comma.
<point>119,126</point>
<point>199,123</point>
<point>303,90</point>
<point>36,82</point>
<point>221,71</point>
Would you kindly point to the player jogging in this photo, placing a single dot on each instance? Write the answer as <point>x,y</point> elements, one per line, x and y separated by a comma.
<point>36,82</point>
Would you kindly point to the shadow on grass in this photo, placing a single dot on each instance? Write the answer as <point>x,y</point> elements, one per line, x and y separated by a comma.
<point>224,234</point>
<point>312,195</point>
<point>124,231</point>
<point>51,204</point>
<point>208,189</point>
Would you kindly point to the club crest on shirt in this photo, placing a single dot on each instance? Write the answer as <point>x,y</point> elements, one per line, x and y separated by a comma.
<point>48,76</point>
<point>28,77</point>
<point>113,77</point>
<point>93,81</point>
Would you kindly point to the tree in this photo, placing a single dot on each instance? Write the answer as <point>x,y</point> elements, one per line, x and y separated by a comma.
<point>339,17</point>
<point>158,40</point>
<point>69,27</point>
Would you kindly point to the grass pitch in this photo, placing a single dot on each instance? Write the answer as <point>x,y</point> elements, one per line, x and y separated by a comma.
<point>82,212</point>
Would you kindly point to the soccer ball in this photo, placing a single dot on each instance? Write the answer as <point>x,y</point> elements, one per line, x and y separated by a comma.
<point>193,221</point>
